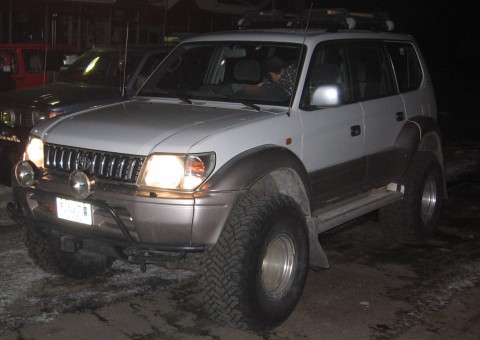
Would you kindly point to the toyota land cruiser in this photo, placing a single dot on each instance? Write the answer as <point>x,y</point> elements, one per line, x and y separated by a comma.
<point>214,161</point>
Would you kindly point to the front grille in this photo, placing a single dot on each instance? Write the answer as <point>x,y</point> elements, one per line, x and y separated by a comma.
<point>120,167</point>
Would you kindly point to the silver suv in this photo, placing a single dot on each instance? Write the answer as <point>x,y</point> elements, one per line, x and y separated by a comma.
<point>237,152</point>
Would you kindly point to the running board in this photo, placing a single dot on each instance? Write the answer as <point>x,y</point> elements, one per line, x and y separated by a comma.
<point>333,215</point>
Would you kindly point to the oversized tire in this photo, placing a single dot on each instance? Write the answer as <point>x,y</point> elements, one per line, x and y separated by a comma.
<point>48,256</point>
<point>413,219</point>
<point>254,275</point>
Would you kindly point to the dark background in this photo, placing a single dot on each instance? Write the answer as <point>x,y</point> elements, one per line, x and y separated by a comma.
<point>447,33</point>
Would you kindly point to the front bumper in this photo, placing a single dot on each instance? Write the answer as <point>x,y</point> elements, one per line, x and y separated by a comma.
<point>127,216</point>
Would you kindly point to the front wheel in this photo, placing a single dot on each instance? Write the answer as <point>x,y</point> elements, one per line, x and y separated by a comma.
<point>255,274</point>
<point>413,219</point>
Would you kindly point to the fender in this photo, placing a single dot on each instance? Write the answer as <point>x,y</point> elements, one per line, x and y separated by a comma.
<point>412,138</point>
<point>245,169</point>
<point>248,168</point>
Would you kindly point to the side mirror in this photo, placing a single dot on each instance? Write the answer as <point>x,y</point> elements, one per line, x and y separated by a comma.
<point>327,95</point>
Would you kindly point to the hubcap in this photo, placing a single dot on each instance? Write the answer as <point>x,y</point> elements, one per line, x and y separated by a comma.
<point>429,199</point>
<point>277,266</point>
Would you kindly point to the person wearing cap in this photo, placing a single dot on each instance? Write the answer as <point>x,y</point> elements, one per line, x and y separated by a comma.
<point>277,72</point>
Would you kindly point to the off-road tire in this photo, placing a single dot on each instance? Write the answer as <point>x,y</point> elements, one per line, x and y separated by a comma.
<point>47,255</point>
<point>241,286</point>
<point>413,219</point>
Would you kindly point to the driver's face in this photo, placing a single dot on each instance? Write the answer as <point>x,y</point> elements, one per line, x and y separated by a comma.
<point>276,75</point>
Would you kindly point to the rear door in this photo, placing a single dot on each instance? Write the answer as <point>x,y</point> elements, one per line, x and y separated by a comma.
<point>30,68</point>
<point>382,106</point>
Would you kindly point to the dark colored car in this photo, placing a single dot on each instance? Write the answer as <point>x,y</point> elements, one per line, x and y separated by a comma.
<point>94,79</point>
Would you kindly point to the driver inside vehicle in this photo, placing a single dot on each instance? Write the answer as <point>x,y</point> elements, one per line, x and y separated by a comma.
<point>278,73</point>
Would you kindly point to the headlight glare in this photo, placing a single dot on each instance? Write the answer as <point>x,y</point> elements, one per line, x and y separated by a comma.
<point>8,117</point>
<point>164,171</point>
<point>34,152</point>
<point>183,172</point>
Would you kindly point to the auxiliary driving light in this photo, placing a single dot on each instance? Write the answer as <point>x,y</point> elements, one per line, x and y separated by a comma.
<point>81,186</point>
<point>26,173</point>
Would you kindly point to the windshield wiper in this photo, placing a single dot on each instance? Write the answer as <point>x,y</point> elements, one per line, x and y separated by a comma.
<point>238,100</point>
<point>176,94</point>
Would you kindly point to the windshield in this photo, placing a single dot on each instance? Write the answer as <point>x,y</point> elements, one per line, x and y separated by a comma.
<point>100,67</point>
<point>246,72</point>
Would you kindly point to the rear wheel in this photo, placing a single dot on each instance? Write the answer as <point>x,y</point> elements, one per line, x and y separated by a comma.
<point>255,274</point>
<point>48,256</point>
<point>414,218</point>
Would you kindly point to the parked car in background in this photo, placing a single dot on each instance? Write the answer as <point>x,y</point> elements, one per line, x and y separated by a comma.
<point>33,64</point>
<point>94,79</point>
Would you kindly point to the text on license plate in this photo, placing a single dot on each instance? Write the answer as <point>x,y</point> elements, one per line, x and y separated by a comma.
<point>74,211</point>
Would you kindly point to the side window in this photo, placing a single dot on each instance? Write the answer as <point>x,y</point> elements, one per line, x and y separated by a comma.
<point>406,66</point>
<point>372,77</point>
<point>327,66</point>
<point>34,60</point>
<point>8,61</point>
<point>148,67</point>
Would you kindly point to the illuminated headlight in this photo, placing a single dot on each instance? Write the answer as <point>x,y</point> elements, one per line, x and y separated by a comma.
<point>184,172</point>
<point>8,117</point>
<point>34,152</point>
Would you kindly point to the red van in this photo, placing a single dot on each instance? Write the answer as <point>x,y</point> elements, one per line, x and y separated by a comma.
<point>34,64</point>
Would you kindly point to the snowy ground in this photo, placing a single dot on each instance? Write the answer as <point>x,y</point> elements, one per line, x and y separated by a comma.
<point>42,296</point>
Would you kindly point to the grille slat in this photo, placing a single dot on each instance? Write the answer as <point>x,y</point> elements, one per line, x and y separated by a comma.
<point>113,166</point>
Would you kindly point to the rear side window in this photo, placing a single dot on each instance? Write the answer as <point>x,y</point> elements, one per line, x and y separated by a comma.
<point>34,60</point>
<point>372,76</point>
<point>406,66</point>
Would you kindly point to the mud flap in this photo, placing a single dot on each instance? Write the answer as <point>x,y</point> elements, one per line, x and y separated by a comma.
<point>318,257</point>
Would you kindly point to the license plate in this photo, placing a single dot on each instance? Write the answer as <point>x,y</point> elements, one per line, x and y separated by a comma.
<point>74,211</point>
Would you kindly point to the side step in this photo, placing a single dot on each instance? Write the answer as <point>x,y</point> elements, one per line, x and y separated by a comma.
<point>335,214</point>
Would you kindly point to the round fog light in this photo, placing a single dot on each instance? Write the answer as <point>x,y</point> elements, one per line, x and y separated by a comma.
<point>25,174</point>
<point>81,186</point>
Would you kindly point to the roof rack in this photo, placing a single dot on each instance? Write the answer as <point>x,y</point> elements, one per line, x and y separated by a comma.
<point>269,19</point>
<point>330,19</point>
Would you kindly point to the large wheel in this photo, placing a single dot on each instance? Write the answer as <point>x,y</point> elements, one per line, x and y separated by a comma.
<point>48,256</point>
<point>413,219</point>
<point>255,274</point>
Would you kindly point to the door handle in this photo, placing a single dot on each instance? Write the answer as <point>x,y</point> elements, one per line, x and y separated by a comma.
<point>400,116</point>
<point>355,130</point>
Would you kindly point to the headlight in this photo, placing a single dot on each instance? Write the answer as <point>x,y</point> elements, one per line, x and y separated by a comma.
<point>8,117</point>
<point>184,172</point>
<point>34,152</point>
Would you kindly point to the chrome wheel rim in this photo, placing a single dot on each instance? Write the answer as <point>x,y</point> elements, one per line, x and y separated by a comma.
<point>429,199</point>
<point>277,266</point>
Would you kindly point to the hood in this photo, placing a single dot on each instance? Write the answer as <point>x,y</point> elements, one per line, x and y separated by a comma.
<point>57,96</point>
<point>138,127</point>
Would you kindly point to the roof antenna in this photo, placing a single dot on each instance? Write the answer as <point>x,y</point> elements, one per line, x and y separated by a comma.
<point>300,57</point>
<point>125,63</point>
